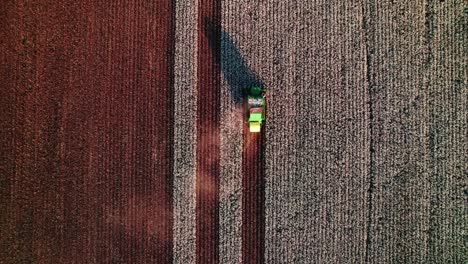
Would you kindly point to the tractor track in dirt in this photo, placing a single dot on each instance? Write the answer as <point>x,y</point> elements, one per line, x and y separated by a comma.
<point>208,131</point>
<point>253,211</point>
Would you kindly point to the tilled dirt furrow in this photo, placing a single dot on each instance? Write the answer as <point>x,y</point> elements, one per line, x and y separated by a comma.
<point>137,139</point>
<point>208,131</point>
<point>93,93</point>
<point>253,173</point>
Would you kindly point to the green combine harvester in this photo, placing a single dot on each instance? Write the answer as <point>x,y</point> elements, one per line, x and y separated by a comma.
<point>256,108</point>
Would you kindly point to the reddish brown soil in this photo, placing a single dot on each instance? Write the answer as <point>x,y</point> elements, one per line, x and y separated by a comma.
<point>208,136</point>
<point>85,141</point>
<point>253,223</point>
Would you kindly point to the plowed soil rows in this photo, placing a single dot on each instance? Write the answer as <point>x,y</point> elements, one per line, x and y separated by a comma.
<point>86,164</point>
<point>208,127</point>
<point>253,222</point>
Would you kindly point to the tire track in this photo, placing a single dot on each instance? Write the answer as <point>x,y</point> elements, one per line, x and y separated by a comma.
<point>208,131</point>
<point>253,221</point>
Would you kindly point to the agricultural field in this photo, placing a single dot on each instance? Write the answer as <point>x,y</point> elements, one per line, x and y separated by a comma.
<point>123,136</point>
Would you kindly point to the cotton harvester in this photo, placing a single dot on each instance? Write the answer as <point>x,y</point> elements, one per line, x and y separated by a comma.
<point>256,107</point>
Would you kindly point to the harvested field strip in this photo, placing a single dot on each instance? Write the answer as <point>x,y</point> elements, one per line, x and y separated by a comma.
<point>253,222</point>
<point>141,70</point>
<point>89,179</point>
<point>208,131</point>
<point>159,137</point>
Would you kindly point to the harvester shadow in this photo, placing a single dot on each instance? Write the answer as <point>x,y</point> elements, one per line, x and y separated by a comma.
<point>231,62</point>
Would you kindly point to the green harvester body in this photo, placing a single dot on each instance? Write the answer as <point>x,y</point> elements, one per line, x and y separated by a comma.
<point>256,108</point>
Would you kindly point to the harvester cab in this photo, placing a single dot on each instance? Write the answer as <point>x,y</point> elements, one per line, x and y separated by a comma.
<point>256,107</point>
